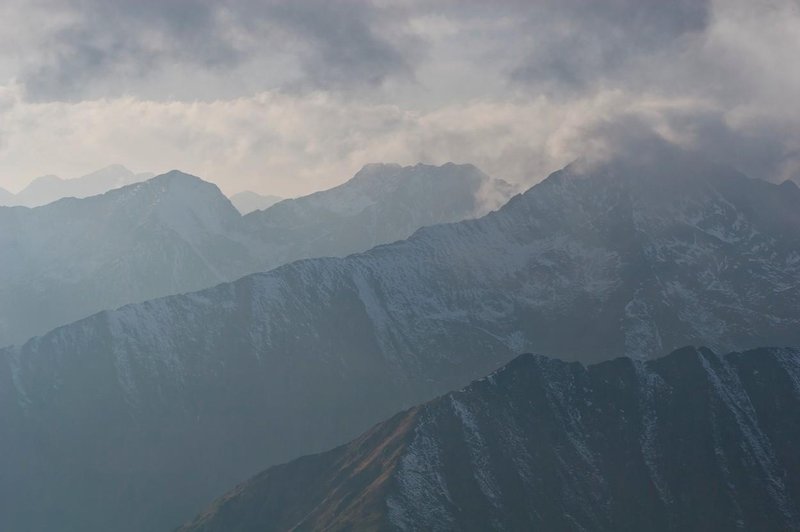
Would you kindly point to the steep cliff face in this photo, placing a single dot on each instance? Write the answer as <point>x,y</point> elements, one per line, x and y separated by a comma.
<point>691,441</point>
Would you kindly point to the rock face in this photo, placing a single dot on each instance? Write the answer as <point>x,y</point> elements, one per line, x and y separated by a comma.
<point>160,406</point>
<point>176,233</point>
<point>691,441</point>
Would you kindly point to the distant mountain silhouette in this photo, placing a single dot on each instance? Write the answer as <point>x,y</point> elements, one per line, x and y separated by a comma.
<point>49,188</point>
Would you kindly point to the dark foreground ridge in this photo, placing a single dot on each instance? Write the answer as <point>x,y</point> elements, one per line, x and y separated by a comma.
<point>691,441</point>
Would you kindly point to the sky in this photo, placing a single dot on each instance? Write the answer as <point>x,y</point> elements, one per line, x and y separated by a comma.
<point>290,97</point>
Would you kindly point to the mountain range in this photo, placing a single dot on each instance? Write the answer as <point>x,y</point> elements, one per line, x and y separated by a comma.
<point>49,188</point>
<point>158,407</point>
<point>176,233</point>
<point>691,441</point>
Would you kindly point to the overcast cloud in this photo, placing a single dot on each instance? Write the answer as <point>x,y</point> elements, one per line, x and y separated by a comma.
<point>289,97</point>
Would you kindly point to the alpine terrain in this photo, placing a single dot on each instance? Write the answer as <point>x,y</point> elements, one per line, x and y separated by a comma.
<point>160,406</point>
<point>176,233</point>
<point>691,441</point>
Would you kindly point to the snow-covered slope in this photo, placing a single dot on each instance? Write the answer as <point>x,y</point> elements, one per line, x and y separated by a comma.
<point>49,188</point>
<point>176,233</point>
<point>248,201</point>
<point>692,441</point>
<point>75,257</point>
<point>634,257</point>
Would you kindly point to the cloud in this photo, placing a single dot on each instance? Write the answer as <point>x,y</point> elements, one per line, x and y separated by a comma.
<point>572,45</point>
<point>287,144</point>
<point>289,97</point>
<point>117,47</point>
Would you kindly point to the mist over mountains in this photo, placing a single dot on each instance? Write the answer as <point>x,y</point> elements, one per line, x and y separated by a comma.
<point>600,332</point>
<point>176,233</point>
<point>187,395</point>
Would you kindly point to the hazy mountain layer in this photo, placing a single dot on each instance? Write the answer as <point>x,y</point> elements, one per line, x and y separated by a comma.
<point>247,201</point>
<point>632,257</point>
<point>691,441</point>
<point>49,188</point>
<point>176,233</point>
<point>6,197</point>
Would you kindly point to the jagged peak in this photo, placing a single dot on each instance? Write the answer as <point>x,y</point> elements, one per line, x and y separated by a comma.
<point>655,171</point>
<point>176,175</point>
<point>180,186</point>
<point>372,170</point>
<point>176,181</point>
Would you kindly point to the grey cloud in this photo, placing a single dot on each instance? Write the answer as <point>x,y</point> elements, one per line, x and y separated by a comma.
<point>554,45</point>
<point>761,153</point>
<point>514,85</point>
<point>343,42</point>
<point>110,46</point>
<point>575,44</point>
<point>124,41</point>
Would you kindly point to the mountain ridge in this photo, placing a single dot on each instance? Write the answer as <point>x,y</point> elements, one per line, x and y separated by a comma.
<point>176,233</point>
<point>398,324</point>
<point>546,443</point>
<point>49,188</point>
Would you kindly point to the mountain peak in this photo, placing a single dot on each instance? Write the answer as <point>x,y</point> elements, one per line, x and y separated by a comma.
<point>182,201</point>
<point>179,182</point>
<point>45,180</point>
<point>181,185</point>
<point>660,178</point>
<point>790,185</point>
<point>177,176</point>
<point>390,170</point>
<point>370,170</point>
